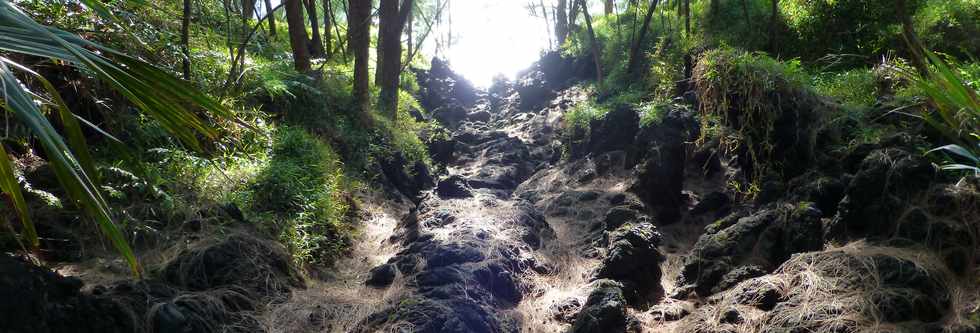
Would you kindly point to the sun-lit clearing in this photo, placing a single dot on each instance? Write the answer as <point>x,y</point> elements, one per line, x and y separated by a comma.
<point>492,37</point>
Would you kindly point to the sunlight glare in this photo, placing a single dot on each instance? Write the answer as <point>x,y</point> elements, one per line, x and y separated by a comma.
<point>494,37</point>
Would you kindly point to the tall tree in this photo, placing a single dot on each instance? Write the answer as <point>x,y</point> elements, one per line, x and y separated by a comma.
<point>635,49</point>
<point>773,17</point>
<point>561,22</point>
<point>390,26</point>
<point>358,41</point>
<point>316,44</point>
<point>592,40</point>
<point>270,12</point>
<point>687,17</point>
<point>185,39</point>
<point>327,21</point>
<point>297,35</point>
<point>911,38</point>
<point>608,6</point>
<point>248,8</point>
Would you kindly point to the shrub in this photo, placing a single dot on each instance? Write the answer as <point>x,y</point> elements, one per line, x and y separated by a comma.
<point>304,191</point>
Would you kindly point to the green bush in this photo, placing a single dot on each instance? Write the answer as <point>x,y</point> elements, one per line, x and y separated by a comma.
<point>303,190</point>
<point>854,88</point>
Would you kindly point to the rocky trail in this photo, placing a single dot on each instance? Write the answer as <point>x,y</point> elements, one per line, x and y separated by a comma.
<point>635,228</point>
<point>627,228</point>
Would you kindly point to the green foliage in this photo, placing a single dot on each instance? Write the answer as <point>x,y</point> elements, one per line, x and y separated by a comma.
<point>149,88</point>
<point>956,113</point>
<point>854,88</point>
<point>303,189</point>
<point>744,94</point>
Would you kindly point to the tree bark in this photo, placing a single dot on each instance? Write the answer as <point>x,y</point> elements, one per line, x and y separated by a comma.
<point>327,40</point>
<point>390,27</point>
<point>561,22</point>
<point>607,5</point>
<point>773,18</point>
<point>687,17</point>
<point>358,41</point>
<point>185,39</point>
<point>593,41</point>
<point>912,39</point>
<point>316,43</point>
<point>635,53</point>
<point>248,8</point>
<point>297,35</point>
<point>272,18</point>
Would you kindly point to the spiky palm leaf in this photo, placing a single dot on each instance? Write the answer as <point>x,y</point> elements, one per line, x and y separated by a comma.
<point>154,91</point>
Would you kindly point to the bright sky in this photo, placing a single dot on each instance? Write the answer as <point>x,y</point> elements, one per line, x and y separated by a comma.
<point>494,37</point>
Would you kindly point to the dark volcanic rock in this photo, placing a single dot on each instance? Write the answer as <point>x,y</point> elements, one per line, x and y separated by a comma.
<point>453,187</point>
<point>411,184</point>
<point>35,299</point>
<point>382,276</point>
<point>605,310</point>
<point>634,259</point>
<point>614,131</point>
<point>879,192</point>
<point>768,236</point>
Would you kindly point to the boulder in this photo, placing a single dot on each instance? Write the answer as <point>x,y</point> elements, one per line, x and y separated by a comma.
<point>634,260</point>
<point>604,311</point>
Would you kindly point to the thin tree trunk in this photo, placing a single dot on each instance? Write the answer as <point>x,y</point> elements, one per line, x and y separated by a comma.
<point>572,17</point>
<point>297,35</point>
<point>687,17</point>
<point>411,35</point>
<point>912,39</point>
<point>772,26</point>
<point>607,5</point>
<point>561,22</point>
<point>635,53</point>
<point>745,12</point>
<point>547,23</point>
<point>593,41</point>
<point>390,27</point>
<point>316,43</point>
<point>185,39</point>
<point>358,40</point>
<point>272,17</point>
<point>327,40</point>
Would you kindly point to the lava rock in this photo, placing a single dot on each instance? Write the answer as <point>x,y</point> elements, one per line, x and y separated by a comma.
<point>604,311</point>
<point>454,186</point>
<point>634,258</point>
<point>381,276</point>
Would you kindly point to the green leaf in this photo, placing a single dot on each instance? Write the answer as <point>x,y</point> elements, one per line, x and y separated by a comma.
<point>10,187</point>
<point>77,184</point>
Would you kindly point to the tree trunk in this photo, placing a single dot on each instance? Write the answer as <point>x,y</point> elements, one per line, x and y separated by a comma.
<point>774,16</point>
<point>547,23</point>
<point>607,5</point>
<point>411,36</point>
<point>297,35</point>
<point>715,10</point>
<point>593,41</point>
<point>635,53</point>
<point>390,27</point>
<point>912,39</point>
<point>185,39</point>
<point>572,16</point>
<point>272,17</point>
<point>316,43</point>
<point>687,17</point>
<point>745,12</point>
<point>358,41</point>
<point>327,40</point>
<point>561,22</point>
<point>248,8</point>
